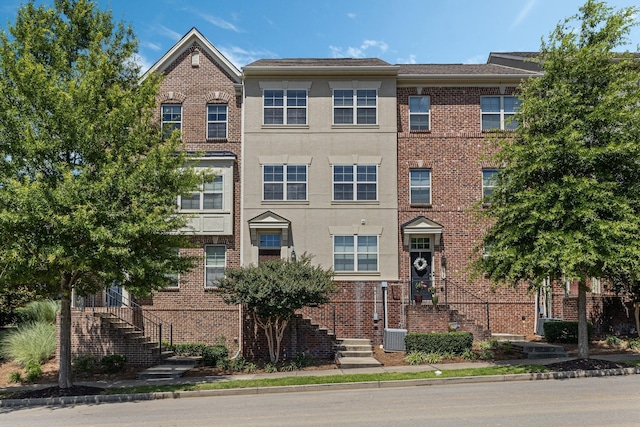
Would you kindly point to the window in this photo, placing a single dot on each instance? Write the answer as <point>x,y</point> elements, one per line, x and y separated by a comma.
<point>419,113</point>
<point>209,196</point>
<point>496,110</point>
<point>420,185</point>
<point>355,253</point>
<point>269,241</point>
<point>171,118</point>
<point>355,182</point>
<point>174,278</point>
<point>355,106</point>
<point>284,182</point>
<point>216,121</point>
<point>281,105</point>
<point>420,243</point>
<point>489,178</point>
<point>214,264</point>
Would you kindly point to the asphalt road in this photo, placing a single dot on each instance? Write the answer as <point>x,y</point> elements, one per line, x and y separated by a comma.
<point>607,401</point>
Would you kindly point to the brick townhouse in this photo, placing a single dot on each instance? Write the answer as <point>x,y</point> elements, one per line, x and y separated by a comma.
<point>372,168</point>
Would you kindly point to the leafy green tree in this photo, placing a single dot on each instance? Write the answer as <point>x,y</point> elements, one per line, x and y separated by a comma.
<point>87,184</point>
<point>567,200</point>
<point>274,290</point>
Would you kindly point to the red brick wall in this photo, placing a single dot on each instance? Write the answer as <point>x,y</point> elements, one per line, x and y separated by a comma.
<point>198,314</point>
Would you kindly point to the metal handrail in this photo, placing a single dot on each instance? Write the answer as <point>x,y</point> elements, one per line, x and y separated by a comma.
<point>450,285</point>
<point>322,315</point>
<point>135,315</point>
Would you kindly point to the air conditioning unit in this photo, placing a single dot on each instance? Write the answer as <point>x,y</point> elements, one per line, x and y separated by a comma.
<point>393,339</point>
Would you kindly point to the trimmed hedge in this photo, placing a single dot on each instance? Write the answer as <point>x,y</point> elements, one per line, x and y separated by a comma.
<point>214,354</point>
<point>439,342</point>
<point>563,331</point>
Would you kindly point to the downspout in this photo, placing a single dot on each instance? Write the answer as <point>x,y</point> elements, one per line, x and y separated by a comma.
<point>241,175</point>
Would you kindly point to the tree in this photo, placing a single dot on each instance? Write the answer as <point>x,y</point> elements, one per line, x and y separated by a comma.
<point>87,184</point>
<point>274,290</point>
<point>567,200</point>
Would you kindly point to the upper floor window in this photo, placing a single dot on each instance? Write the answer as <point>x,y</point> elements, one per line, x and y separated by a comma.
<point>419,113</point>
<point>216,121</point>
<point>171,118</point>
<point>284,182</point>
<point>209,196</point>
<point>355,106</point>
<point>214,264</point>
<point>355,182</point>
<point>355,253</point>
<point>285,107</point>
<point>489,179</point>
<point>496,111</point>
<point>420,185</point>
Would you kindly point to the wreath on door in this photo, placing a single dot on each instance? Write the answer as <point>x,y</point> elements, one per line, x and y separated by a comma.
<point>420,264</point>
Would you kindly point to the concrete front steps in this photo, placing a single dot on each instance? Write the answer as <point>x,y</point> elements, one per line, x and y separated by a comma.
<point>539,350</point>
<point>171,368</point>
<point>355,353</point>
<point>508,337</point>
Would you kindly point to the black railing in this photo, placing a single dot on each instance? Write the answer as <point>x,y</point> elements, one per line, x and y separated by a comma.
<point>132,313</point>
<point>322,315</point>
<point>467,303</point>
<point>454,297</point>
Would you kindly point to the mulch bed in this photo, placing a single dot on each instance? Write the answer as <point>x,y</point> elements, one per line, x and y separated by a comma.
<point>76,390</point>
<point>585,365</point>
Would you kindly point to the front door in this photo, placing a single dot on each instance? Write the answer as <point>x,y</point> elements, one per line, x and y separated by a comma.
<point>421,272</point>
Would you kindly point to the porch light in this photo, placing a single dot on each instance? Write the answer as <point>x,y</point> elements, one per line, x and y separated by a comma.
<point>293,254</point>
<point>443,265</point>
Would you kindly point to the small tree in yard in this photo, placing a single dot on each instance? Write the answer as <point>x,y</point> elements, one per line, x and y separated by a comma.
<point>274,290</point>
<point>87,183</point>
<point>567,200</point>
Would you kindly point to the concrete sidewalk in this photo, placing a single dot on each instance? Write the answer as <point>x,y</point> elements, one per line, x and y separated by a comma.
<point>318,373</point>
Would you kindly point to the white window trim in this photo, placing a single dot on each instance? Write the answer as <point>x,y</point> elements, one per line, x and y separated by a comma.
<point>355,182</point>
<point>412,187</point>
<point>226,121</point>
<point>206,286</point>
<point>355,86</point>
<point>502,112</point>
<point>163,122</point>
<point>202,192</point>
<point>284,183</point>
<point>284,86</point>
<point>428,114</point>
<point>484,198</point>
<point>355,253</point>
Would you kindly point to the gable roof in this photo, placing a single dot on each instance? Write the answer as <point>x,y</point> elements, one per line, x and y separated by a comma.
<point>194,36</point>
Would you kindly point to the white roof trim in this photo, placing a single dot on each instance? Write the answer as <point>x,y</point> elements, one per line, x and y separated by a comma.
<point>184,43</point>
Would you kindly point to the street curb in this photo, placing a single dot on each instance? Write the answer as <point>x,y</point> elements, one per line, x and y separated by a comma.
<point>115,398</point>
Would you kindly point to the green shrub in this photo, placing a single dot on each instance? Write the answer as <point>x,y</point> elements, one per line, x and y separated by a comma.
<point>250,367</point>
<point>302,360</point>
<point>40,311</point>
<point>15,377</point>
<point>448,355</point>
<point>433,358</point>
<point>486,354</point>
<point>416,358</point>
<point>613,341</point>
<point>188,349</point>
<point>634,344</point>
<point>563,332</point>
<point>85,364</point>
<point>439,342</point>
<point>214,353</point>
<point>34,371</point>
<point>238,364</point>
<point>469,354</point>
<point>270,368</point>
<point>30,342</point>
<point>113,363</point>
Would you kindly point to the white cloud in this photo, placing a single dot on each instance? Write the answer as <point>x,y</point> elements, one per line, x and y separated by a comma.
<point>161,29</point>
<point>360,51</point>
<point>143,62</point>
<point>150,45</point>
<point>219,22</point>
<point>351,15</point>
<point>411,60</point>
<point>478,59</point>
<point>241,57</point>
<point>524,12</point>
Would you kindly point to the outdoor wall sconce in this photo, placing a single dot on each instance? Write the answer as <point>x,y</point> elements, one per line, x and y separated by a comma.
<point>293,254</point>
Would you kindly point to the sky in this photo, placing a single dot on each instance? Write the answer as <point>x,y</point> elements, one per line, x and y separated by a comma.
<point>396,31</point>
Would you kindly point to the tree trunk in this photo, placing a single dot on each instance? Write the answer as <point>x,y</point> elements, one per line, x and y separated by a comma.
<point>583,332</point>
<point>65,379</point>
<point>636,312</point>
